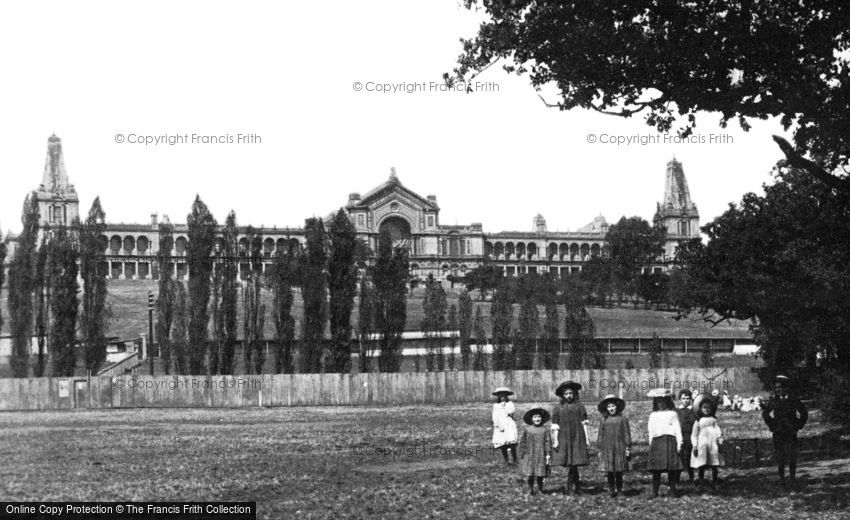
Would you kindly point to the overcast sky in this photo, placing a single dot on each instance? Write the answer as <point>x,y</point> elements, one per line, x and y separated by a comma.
<point>286,72</point>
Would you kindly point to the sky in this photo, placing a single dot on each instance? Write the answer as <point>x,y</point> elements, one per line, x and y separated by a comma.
<point>314,81</point>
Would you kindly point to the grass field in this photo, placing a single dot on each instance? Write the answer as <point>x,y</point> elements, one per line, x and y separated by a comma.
<point>338,463</point>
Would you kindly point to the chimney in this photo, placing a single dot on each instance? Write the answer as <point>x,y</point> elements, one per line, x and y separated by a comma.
<point>432,198</point>
<point>154,220</point>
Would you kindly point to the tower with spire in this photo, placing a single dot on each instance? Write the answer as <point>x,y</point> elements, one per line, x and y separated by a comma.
<point>677,212</point>
<point>58,203</point>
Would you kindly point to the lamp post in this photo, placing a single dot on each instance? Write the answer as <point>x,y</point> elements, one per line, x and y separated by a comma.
<point>150,329</point>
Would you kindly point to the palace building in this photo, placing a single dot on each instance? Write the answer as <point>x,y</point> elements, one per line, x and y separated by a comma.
<point>412,220</point>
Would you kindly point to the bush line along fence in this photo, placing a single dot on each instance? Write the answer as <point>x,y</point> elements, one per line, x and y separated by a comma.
<point>404,388</point>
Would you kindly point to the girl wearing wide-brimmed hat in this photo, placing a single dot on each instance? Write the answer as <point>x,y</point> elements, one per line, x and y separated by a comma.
<point>535,447</point>
<point>615,439</point>
<point>706,438</point>
<point>569,433</point>
<point>504,426</point>
<point>665,440</point>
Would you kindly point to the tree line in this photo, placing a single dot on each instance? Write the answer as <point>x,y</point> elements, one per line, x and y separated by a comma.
<point>45,300</point>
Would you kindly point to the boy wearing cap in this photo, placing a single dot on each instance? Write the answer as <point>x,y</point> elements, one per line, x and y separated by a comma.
<point>687,417</point>
<point>785,415</point>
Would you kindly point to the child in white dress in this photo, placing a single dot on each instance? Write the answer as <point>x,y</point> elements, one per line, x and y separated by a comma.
<point>706,438</point>
<point>504,426</point>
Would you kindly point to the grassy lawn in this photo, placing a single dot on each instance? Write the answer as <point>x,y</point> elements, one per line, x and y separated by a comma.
<point>339,463</point>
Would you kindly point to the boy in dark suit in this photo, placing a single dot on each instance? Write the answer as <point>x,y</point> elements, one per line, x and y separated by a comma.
<point>687,417</point>
<point>785,415</point>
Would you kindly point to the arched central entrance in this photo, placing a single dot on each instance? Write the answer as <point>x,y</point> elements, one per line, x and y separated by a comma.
<point>399,231</point>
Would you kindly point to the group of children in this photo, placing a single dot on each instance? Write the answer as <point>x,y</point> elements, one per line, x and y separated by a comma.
<point>687,437</point>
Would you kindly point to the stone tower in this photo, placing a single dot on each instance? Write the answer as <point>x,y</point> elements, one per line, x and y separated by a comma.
<point>677,212</point>
<point>58,203</point>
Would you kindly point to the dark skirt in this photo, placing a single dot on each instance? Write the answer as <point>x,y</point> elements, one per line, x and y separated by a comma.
<point>663,455</point>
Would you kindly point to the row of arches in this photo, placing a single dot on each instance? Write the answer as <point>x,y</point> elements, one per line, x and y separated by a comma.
<point>521,251</point>
<point>141,245</point>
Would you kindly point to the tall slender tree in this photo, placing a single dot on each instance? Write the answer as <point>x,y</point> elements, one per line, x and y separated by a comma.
<point>314,293</point>
<point>452,327</point>
<point>365,323</point>
<point>464,325</point>
<point>551,336</point>
<point>3,250</point>
<point>342,287</point>
<point>281,281</point>
<point>202,232</point>
<point>390,275</point>
<point>478,361</point>
<point>63,254</point>
<point>180,331</point>
<point>165,301</point>
<point>229,292</point>
<point>95,315</point>
<point>529,323</point>
<point>21,286</point>
<point>254,309</point>
<point>42,305</point>
<point>501,316</point>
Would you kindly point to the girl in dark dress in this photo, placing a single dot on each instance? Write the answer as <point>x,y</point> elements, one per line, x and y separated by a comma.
<point>569,433</point>
<point>665,440</point>
<point>535,447</point>
<point>615,439</point>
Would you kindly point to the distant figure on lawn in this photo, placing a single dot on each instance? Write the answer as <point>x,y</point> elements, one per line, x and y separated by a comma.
<point>569,433</point>
<point>687,418</point>
<point>504,426</point>
<point>615,440</point>
<point>665,441</point>
<point>785,415</point>
<point>535,447</point>
<point>706,438</point>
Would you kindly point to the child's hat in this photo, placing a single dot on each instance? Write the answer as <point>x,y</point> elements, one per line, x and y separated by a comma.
<point>567,385</point>
<point>611,398</point>
<point>702,398</point>
<point>660,392</point>
<point>544,415</point>
<point>781,378</point>
<point>503,390</point>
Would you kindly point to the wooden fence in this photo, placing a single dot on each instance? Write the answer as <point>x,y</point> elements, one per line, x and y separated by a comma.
<point>403,388</point>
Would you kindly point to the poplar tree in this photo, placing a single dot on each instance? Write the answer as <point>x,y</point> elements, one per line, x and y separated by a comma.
<point>63,254</point>
<point>464,325</point>
<point>165,301</point>
<point>254,309</point>
<point>42,306</point>
<point>478,362</point>
<point>452,327</point>
<point>21,286</point>
<point>202,231</point>
<point>95,315</point>
<point>365,323</point>
<point>179,334</point>
<point>281,282</point>
<point>390,276</point>
<point>342,287</point>
<point>551,336</point>
<point>501,316</point>
<point>314,293</point>
<point>229,293</point>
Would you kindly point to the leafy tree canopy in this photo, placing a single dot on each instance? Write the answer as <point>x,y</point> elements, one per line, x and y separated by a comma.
<point>669,59</point>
